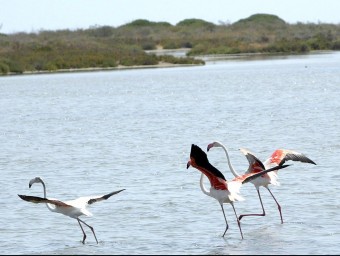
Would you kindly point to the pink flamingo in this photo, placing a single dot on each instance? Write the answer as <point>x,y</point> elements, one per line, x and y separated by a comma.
<point>222,190</point>
<point>278,157</point>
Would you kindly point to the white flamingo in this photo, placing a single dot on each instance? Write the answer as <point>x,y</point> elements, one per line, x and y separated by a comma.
<point>278,157</point>
<point>72,208</point>
<point>222,190</point>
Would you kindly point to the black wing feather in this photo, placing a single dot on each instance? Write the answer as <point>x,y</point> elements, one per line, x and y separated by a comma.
<point>201,159</point>
<point>105,197</point>
<point>258,174</point>
<point>297,157</point>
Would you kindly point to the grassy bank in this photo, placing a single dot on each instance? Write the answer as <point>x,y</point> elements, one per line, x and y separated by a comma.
<point>131,45</point>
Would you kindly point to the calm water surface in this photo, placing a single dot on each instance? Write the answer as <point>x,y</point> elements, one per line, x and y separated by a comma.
<point>93,133</point>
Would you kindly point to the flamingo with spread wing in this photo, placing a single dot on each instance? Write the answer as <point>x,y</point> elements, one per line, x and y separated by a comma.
<point>222,190</point>
<point>72,208</point>
<point>277,158</point>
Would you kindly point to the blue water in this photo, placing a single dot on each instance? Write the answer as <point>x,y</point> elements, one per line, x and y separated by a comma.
<point>96,132</point>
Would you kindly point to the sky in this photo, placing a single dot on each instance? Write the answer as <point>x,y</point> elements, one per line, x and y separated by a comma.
<point>36,15</point>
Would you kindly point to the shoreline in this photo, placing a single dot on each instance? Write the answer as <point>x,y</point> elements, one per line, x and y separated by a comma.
<point>256,55</point>
<point>206,58</point>
<point>94,69</point>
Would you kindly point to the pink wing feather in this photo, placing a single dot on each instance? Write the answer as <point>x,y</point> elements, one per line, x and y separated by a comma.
<point>280,156</point>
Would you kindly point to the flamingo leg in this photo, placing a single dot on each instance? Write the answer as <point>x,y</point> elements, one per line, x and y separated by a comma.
<point>226,222</point>
<point>238,221</point>
<point>255,214</point>
<point>82,230</point>
<point>278,205</point>
<point>90,228</point>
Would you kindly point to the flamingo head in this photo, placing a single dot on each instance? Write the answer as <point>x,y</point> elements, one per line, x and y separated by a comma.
<point>35,180</point>
<point>189,163</point>
<point>214,144</point>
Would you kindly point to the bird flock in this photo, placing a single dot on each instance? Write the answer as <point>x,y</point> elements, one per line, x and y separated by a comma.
<point>260,174</point>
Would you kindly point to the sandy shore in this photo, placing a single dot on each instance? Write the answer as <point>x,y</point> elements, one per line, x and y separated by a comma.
<point>120,67</point>
<point>181,52</point>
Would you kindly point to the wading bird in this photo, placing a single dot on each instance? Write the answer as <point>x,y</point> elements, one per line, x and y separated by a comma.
<point>222,190</point>
<point>72,208</point>
<point>278,157</point>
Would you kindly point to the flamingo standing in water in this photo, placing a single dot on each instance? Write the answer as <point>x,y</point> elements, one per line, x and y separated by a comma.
<point>73,208</point>
<point>222,190</point>
<point>278,157</point>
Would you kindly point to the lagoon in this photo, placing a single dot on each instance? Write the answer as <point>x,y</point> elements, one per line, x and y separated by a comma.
<point>96,132</point>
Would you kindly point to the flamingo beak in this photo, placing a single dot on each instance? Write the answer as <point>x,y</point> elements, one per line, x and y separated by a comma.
<point>209,146</point>
<point>188,164</point>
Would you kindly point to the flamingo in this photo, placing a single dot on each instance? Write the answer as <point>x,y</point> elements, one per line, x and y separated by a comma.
<point>278,157</point>
<point>72,208</point>
<point>222,190</point>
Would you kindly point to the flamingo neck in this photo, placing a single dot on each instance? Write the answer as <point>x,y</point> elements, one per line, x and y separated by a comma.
<point>229,162</point>
<point>47,205</point>
<point>203,188</point>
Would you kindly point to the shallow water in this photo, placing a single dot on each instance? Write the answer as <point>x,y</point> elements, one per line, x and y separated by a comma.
<point>93,133</point>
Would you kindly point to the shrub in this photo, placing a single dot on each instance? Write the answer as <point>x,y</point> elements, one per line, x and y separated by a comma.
<point>4,68</point>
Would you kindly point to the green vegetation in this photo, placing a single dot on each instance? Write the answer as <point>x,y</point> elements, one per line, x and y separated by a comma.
<point>263,19</point>
<point>109,47</point>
